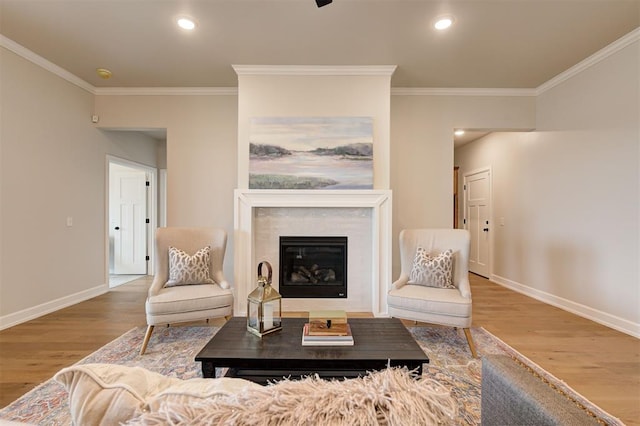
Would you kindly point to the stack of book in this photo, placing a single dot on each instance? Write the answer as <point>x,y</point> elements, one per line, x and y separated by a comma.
<point>327,328</point>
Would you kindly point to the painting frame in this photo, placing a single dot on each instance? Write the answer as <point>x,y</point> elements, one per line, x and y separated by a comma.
<point>333,152</point>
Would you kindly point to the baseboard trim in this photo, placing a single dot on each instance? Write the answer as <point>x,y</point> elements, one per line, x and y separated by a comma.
<point>28,314</point>
<point>611,321</point>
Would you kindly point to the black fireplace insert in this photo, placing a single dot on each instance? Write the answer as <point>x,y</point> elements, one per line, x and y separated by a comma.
<point>313,267</point>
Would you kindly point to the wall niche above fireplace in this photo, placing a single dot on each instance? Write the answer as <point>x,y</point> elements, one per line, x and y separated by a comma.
<point>313,267</point>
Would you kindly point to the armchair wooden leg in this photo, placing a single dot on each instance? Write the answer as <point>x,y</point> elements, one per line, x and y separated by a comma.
<point>472,346</point>
<point>145,342</point>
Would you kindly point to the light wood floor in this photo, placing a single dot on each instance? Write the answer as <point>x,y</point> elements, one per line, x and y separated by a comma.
<point>598,362</point>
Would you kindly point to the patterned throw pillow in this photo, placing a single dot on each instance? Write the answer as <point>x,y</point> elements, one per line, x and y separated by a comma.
<point>185,269</point>
<point>432,271</point>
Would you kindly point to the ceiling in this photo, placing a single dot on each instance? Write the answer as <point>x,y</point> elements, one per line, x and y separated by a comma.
<point>468,137</point>
<point>492,44</point>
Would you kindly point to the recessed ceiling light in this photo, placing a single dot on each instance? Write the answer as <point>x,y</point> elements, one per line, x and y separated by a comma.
<point>459,132</point>
<point>443,22</point>
<point>186,23</point>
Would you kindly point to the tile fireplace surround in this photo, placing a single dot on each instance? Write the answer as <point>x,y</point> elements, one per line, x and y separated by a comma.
<point>364,216</point>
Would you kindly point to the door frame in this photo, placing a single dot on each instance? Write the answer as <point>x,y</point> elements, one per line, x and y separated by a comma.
<point>162,197</point>
<point>490,208</point>
<point>152,208</point>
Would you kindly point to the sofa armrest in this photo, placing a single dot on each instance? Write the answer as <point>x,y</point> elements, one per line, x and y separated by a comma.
<point>464,287</point>
<point>219,278</point>
<point>157,284</point>
<point>400,282</point>
<point>513,395</point>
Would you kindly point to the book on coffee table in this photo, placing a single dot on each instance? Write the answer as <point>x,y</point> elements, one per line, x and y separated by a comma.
<point>326,340</point>
<point>328,323</point>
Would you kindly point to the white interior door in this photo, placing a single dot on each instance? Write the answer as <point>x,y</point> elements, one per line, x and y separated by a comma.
<point>128,214</point>
<point>477,193</point>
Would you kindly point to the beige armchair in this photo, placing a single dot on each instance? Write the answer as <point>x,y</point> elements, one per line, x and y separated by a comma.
<point>193,302</point>
<point>444,306</point>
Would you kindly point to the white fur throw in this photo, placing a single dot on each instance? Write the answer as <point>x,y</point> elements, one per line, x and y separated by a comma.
<point>393,396</point>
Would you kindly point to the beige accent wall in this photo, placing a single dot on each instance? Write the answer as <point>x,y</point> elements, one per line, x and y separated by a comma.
<point>422,151</point>
<point>419,168</point>
<point>569,194</point>
<point>316,96</point>
<point>52,166</point>
<point>200,151</point>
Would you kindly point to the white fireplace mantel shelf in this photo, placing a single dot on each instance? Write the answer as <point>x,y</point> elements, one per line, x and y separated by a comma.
<point>246,200</point>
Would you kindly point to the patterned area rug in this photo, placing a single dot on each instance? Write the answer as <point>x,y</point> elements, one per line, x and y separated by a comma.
<point>172,351</point>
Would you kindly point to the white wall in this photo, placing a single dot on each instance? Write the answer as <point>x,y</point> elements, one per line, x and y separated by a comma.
<point>53,166</point>
<point>570,195</point>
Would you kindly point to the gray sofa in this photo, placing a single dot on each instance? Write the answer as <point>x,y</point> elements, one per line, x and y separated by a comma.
<point>513,395</point>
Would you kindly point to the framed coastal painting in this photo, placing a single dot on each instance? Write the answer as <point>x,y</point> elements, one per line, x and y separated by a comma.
<point>311,153</point>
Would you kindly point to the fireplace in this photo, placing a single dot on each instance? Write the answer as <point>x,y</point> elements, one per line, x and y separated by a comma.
<point>364,216</point>
<point>313,267</point>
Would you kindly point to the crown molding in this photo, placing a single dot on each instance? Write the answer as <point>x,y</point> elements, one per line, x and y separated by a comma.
<point>27,54</point>
<point>600,55</point>
<point>166,91</point>
<point>366,70</point>
<point>453,91</point>
<point>33,57</point>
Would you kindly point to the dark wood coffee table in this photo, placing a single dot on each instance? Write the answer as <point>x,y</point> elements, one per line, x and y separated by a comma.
<point>378,342</point>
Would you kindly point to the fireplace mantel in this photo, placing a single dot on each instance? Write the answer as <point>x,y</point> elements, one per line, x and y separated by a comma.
<point>246,200</point>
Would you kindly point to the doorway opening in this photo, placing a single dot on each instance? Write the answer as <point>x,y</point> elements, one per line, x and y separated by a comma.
<point>477,215</point>
<point>131,219</point>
